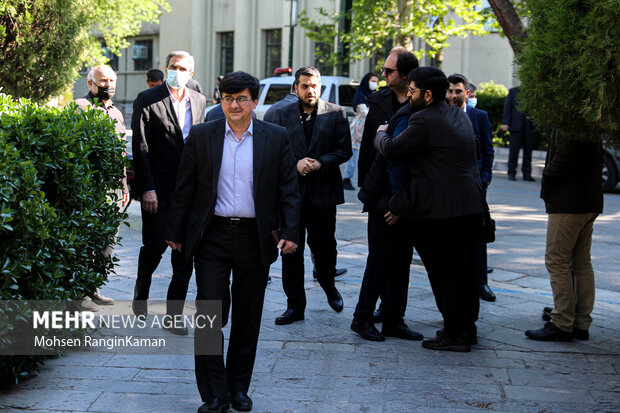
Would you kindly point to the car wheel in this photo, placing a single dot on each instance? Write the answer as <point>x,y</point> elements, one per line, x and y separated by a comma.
<point>610,174</point>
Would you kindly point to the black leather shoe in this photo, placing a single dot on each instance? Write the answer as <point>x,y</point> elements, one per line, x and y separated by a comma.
<point>580,334</point>
<point>377,316</point>
<point>400,330</point>
<point>179,331</point>
<point>546,314</point>
<point>334,299</point>
<point>529,178</point>
<point>139,308</point>
<point>289,316</point>
<point>366,330</point>
<point>241,402</point>
<point>489,270</point>
<point>346,184</point>
<point>217,405</point>
<point>485,293</point>
<point>549,333</point>
<point>269,279</point>
<point>512,178</point>
<point>447,344</point>
<point>471,338</point>
<point>339,273</point>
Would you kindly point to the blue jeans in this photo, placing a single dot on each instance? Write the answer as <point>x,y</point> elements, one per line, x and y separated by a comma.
<point>352,164</point>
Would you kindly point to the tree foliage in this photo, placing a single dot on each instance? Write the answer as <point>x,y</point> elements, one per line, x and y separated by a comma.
<point>44,43</point>
<point>375,23</point>
<point>570,67</point>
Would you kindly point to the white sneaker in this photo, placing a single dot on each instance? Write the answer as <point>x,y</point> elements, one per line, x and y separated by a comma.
<point>89,305</point>
<point>101,299</point>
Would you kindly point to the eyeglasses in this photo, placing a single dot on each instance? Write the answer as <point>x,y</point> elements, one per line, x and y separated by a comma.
<point>412,91</point>
<point>241,100</point>
<point>388,71</point>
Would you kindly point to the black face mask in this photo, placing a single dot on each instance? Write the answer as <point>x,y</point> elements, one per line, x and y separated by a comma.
<point>105,93</point>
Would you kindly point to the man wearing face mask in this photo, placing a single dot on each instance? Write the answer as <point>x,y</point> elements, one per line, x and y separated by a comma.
<point>459,95</point>
<point>162,118</point>
<point>101,85</point>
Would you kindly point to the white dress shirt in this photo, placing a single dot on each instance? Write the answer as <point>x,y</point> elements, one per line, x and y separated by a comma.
<point>183,110</point>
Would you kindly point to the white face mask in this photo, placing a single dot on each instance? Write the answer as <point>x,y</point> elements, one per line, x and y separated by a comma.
<point>372,85</point>
<point>177,79</point>
<point>472,102</point>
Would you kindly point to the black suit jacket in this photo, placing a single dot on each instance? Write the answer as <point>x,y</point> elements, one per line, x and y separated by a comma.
<point>276,197</point>
<point>380,111</point>
<point>482,129</point>
<point>439,147</point>
<point>158,140</point>
<point>512,116</point>
<point>330,145</point>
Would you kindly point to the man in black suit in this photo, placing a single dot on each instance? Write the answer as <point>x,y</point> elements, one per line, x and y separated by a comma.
<point>321,141</point>
<point>161,121</point>
<point>458,94</point>
<point>382,106</point>
<point>237,184</point>
<point>520,128</point>
<point>443,199</point>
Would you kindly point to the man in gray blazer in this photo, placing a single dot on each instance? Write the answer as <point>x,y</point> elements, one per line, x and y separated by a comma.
<point>319,135</point>
<point>442,201</point>
<point>162,118</point>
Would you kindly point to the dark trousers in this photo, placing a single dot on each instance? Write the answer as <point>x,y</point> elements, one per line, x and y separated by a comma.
<point>153,246</point>
<point>481,259</point>
<point>521,139</point>
<point>320,223</point>
<point>390,250</point>
<point>224,249</point>
<point>448,253</point>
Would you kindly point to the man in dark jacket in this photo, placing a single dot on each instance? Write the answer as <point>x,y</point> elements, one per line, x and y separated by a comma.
<point>573,195</point>
<point>520,128</point>
<point>458,94</point>
<point>382,106</point>
<point>443,198</point>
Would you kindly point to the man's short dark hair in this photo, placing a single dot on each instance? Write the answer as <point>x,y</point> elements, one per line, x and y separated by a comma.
<point>154,75</point>
<point>306,71</point>
<point>456,78</point>
<point>472,87</point>
<point>405,60</point>
<point>433,79</point>
<point>236,82</point>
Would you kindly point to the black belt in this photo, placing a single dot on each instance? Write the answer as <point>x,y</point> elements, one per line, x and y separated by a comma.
<point>235,222</point>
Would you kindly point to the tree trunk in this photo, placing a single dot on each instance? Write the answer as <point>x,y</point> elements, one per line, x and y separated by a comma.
<point>510,22</point>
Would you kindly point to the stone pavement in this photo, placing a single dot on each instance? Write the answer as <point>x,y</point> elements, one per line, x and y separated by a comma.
<point>320,365</point>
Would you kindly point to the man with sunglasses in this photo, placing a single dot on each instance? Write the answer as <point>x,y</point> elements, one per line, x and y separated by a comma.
<point>382,107</point>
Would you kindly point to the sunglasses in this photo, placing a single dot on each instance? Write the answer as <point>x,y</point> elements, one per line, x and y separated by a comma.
<point>387,70</point>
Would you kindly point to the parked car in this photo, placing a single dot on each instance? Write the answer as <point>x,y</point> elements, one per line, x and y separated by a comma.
<point>611,169</point>
<point>335,89</point>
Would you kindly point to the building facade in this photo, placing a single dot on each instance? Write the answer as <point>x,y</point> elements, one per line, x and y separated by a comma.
<point>254,36</point>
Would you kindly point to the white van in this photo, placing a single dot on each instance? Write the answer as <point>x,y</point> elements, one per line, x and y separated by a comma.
<point>335,89</point>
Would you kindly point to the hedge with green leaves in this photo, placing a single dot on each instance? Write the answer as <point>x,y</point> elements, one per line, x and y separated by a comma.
<point>57,206</point>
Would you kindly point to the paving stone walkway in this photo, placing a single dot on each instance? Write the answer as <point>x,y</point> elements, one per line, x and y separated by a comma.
<point>320,365</point>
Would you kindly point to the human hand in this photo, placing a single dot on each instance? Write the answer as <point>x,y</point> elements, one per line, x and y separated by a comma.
<point>149,202</point>
<point>382,128</point>
<point>390,218</point>
<point>505,127</point>
<point>176,246</point>
<point>287,247</point>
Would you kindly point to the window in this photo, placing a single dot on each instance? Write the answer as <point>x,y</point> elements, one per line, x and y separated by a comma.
<point>112,58</point>
<point>273,50</point>
<point>276,93</point>
<point>142,54</point>
<point>346,93</point>
<point>227,49</point>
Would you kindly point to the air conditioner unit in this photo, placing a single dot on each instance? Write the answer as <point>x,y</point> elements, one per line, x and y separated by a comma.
<point>139,52</point>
